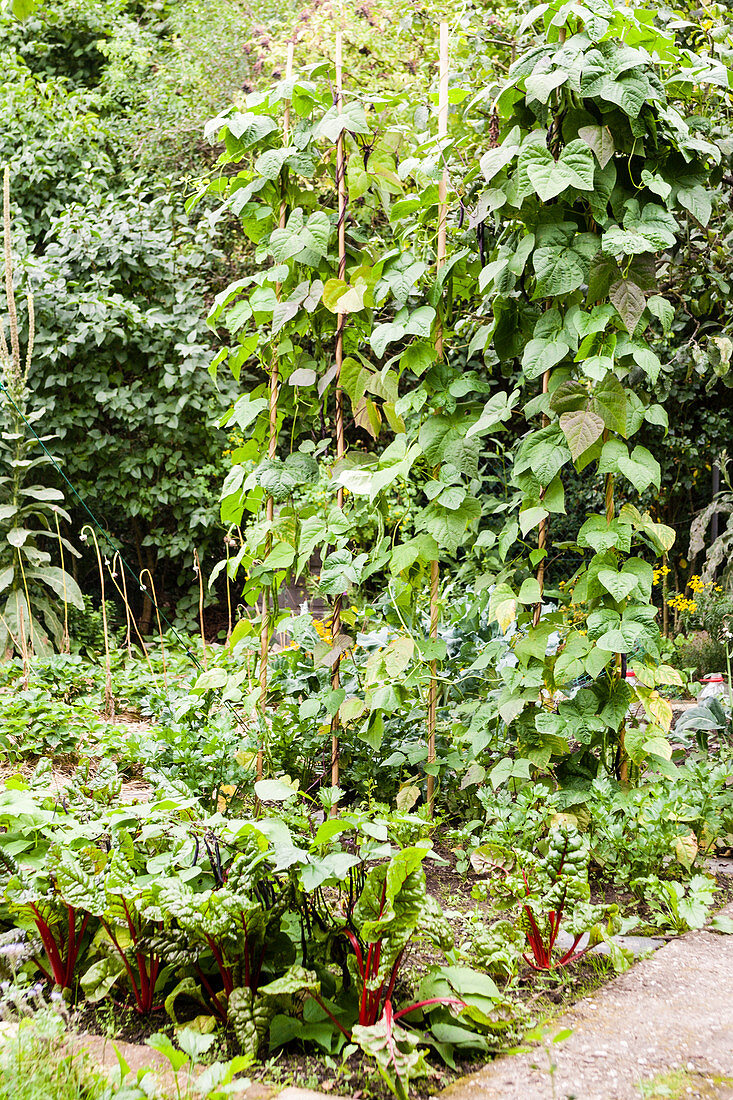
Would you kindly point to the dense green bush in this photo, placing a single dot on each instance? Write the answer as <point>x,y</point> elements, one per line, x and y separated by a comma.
<point>119,276</point>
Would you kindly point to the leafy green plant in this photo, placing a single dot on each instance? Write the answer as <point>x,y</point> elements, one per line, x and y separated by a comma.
<point>550,891</point>
<point>395,1049</point>
<point>30,620</point>
<point>665,825</point>
<point>122,904</point>
<point>34,898</point>
<point>675,905</point>
<point>35,723</point>
<point>213,1082</point>
<point>239,924</point>
<point>572,287</point>
<point>710,716</point>
<point>393,906</point>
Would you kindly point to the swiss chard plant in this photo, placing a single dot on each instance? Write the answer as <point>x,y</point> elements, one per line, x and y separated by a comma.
<point>237,925</point>
<point>34,899</point>
<point>547,894</point>
<point>107,887</point>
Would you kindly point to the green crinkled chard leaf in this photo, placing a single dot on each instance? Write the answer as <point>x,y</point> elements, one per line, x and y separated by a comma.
<point>395,1050</point>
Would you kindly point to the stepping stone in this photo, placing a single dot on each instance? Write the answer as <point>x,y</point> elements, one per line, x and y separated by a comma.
<point>638,945</point>
<point>719,866</point>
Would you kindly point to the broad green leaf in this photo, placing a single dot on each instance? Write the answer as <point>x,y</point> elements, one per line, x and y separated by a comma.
<point>541,355</point>
<point>448,526</point>
<point>274,790</point>
<point>621,639</point>
<point>422,547</point>
<point>558,272</point>
<point>246,410</point>
<point>581,430</point>
<point>543,84</point>
<point>21,9</point>
<point>395,1051</point>
<point>18,536</point>
<point>98,980</point>
<point>625,242</point>
<point>496,411</point>
<point>660,536</point>
<point>641,468</point>
<point>550,177</point>
<point>496,159</point>
<point>600,140</point>
<point>698,201</point>
<point>599,535</point>
<point>620,585</point>
<point>530,592</point>
<point>663,310</point>
<point>339,570</point>
<point>629,92</point>
<point>279,479</point>
<point>654,221</point>
<point>248,128</point>
<point>629,300</point>
<point>503,606</point>
<point>351,118</point>
<point>544,452</point>
<point>610,402</point>
<point>61,582</point>
<point>529,518</point>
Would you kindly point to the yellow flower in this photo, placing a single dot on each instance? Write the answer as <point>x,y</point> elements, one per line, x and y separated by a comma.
<point>323,630</point>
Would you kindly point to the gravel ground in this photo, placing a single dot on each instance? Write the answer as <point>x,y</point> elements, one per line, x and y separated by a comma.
<point>664,1029</point>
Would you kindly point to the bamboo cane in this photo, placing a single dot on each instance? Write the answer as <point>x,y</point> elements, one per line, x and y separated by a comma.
<point>160,625</point>
<point>623,760</point>
<point>199,574</point>
<point>440,260</point>
<point>340,324</point>
<point>544,525</point>
<point>272,451</point>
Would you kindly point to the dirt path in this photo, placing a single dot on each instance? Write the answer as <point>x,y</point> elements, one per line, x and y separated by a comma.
<point>664,1029</point>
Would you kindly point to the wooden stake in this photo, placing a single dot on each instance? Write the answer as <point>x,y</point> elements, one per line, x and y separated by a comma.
<point>272,451</point>
<point>340,324</point>
<point>440,260</point>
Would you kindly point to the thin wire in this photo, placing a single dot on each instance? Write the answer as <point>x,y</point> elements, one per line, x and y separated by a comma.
<point>115,549</point>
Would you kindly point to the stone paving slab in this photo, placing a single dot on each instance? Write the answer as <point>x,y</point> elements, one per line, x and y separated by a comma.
<point>638,945</point>
<point>671,1014</point>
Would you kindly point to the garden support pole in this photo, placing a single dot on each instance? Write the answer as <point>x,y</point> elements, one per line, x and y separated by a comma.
<point>440,260</point>
<point>271,452</point>
<point>623,761</point>
<point>542,533</point>
<point>340,448</point>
